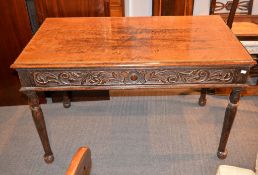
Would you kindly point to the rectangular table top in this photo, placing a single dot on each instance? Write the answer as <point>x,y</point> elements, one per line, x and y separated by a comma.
<point>133,42</point>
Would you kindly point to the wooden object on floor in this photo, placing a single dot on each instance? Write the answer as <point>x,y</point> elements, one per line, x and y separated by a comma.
<point>81,162</point>
<point>15,32</point>
<point>157,52</point>
<point>172,7</point>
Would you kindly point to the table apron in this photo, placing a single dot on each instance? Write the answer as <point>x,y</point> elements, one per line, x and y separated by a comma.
<point>131,78</point>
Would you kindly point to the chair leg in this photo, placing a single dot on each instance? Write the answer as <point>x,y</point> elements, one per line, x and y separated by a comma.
<point>66,100</point>
<point>202,99</point>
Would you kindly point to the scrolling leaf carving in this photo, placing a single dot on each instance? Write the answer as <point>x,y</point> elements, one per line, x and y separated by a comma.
<point>132,77</point>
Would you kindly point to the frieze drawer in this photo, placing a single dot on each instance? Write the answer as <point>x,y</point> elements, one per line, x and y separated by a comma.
<point>119,77</point>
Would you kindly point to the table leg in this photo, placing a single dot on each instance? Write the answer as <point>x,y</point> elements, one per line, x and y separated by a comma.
<point>202,99</point>
<point>39,121</point>
<point>66,100</point>
<point>230,114</point>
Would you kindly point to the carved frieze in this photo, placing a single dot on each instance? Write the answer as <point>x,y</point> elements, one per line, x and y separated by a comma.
<point>52,78</point>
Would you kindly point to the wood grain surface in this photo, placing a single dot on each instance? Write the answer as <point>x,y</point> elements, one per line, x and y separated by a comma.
<point>133,42</point>
<point>68,8</point>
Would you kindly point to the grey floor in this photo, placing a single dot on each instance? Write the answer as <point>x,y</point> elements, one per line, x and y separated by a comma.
<point>148,134</point>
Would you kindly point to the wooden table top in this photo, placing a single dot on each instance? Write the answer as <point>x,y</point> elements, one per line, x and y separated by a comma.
<point>133,42</point>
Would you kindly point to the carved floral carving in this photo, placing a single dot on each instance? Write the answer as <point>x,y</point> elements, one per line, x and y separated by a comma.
<point>132,77</point>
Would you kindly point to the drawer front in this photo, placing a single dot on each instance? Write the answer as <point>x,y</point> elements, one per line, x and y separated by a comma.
<point>128,77</point>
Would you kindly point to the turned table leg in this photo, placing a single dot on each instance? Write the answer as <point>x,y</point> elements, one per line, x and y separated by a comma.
<point>39,121</point>
<point>202,99</point>
<point>66,100</point>
<point>230,114</point>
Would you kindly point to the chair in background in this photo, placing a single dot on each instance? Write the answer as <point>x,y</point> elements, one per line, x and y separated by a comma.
<point>232,7</point>
<point>81,162</point>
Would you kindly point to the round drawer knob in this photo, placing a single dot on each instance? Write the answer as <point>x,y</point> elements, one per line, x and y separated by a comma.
<point>134,77</point>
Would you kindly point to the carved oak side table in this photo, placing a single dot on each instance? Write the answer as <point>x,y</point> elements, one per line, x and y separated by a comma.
<point>131,53</point>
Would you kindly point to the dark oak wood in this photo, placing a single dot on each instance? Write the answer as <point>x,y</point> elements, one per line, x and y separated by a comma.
<point>232,10</point>
<point>81,162</point>
<point>202,99</point>
<point>156,7</point>
<point>39,121</point>
<point>15,32</point>
<point>75,96</point>
<point>232,13</point>
<point>172,7</point>
<point>244,7</point>
<point>230,115</point>
<point>132,53</point>
<point>74,8</point>
<point>78,8</point>
<point>66,100</point>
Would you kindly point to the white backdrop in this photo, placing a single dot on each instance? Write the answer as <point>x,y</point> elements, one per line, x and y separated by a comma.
<point>144,7</point>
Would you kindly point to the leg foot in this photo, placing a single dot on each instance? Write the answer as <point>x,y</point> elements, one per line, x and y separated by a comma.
<point>66,105</point>
<point>230,115</point>
<point>49,158</point>
<point>202,99</point>
<point>222,155</point>
<point>66,100</point>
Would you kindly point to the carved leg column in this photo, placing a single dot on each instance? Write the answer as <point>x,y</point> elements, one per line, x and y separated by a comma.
<point>202,99</point>
<point>228,122</point>
<point>39,121</point>
<point>66,100</point>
